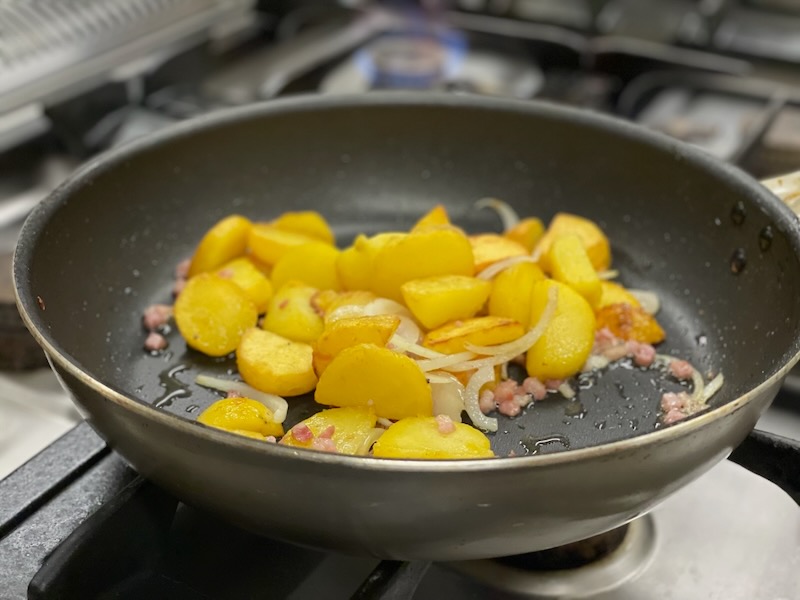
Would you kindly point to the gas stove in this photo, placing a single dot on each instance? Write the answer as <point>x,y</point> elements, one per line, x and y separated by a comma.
<point>721,75</point>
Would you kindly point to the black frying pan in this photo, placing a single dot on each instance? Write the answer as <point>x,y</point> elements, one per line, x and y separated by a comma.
<point>104,245</point>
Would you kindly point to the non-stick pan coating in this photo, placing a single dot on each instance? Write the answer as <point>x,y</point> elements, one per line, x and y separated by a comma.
<point>674,228</point>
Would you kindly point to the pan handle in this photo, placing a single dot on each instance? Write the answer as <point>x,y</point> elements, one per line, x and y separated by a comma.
<point>787,188</point>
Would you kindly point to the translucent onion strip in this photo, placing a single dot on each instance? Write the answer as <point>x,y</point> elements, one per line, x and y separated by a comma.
<point>713,387</point>
<point>446,361</point>
<point>696,401</point>
<point>508,215</point>
<point>448,396</point>
<point>371,438</point>
<point>480,378</point>
<point>524,343</point>
<point>649,300</point>
<point>480,363</point>
<point>495,269</point>
<point>609,274</point>
<point>276,404</point>
<point>565,389</point>
<point>400,343</point>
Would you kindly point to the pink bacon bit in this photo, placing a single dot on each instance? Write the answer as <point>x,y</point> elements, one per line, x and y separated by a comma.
<point>522,400</point>
<point>232,394</point>
<point>182,269</point>
<point>156,316</point>
<point>302,433</point>
<point>509,408</point>
<point>671,401</point>
<point>323,444</point>
<point>673,416</point>
<point>445,424</point>
<point>486,402</point>
<point>681,369</point>
<point>603,339</point>
<point>271,439</point>
<point>505,390</point>
<point>535,388</point>
<point>180,284</point>
<point>644,355</point>
<point>328,432</point>
<point>155,342</point>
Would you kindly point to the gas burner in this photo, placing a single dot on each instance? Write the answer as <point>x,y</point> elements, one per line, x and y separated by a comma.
<point>433,61</point>
<point>592,566</point>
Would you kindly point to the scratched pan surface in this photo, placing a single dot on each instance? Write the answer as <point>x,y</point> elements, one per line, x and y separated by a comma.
<point>104,246</point>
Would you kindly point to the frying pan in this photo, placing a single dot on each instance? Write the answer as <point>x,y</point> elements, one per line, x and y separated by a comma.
<point>103,246</point>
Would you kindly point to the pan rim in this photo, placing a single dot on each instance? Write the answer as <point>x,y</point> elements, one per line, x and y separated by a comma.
<point>37,220</point>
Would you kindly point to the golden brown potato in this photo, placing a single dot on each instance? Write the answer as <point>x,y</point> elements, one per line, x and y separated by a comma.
<point>593,238</point>
<point>614,293</point>
<point>355,264</point>
<point>480,331</point>
<point>213,313</point>
<point>422,437</point>
<point>444,251</point>
<point>351,331</point>
<point>292,315</point>
<point>527,232</point>
<point>244,273</point>
<point>489,248</point>
<point>511,292</point>
<point>352,428</point>
<point>630,323</point>
<point>314,264</point>
<point>307,222</point>
<point>435,301</point>
<point>568,339</point>
<point>268,244</point>
<point>274,364</point>
<point>434,217</point>
<point>225,241</point>
<point>570,264</point>
<point>371,376</point>
<point>243,416</point>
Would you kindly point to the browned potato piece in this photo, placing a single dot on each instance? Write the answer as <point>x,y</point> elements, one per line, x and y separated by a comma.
<point>423,437</point>
<point>268,244</point>
<point>275,365</point>
<point>213,313</point>
<point>307,222</point>
<point>292,315</point>
<point>368,375</point>
<point>351,331</point>
<point>223,242</point>
<point>352,428</point>
<point>244,273</point>
<point>313,263</point>
<point>480,331</point>
<point>243,416</point>
<point>434,217</point>
<point>489,248</point>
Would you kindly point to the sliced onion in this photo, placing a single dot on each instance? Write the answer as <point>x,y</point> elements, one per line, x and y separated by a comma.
<point>384,422</point>
<point>384,306</point>
<point>448,396</point>
<point>438,377</point>
<point>507,215</point>
<point>371,438</point>
<point>408,328</point>
<point>401,343</point>
<point>713,387</point>
<point>276,404</point>
<point>480,363</point>
<point>649,300</point>
<point>565,389</point>
<point>345,311</point>
<point>595,362</point>
<point>608,274</point>
<point>524,343</point>
<point>696,401</point>
<point>480,378</point>
<point>495,269</point>
<point>446,361</point>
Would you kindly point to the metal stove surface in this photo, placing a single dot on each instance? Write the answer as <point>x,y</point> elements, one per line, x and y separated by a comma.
<point>730,535</point>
